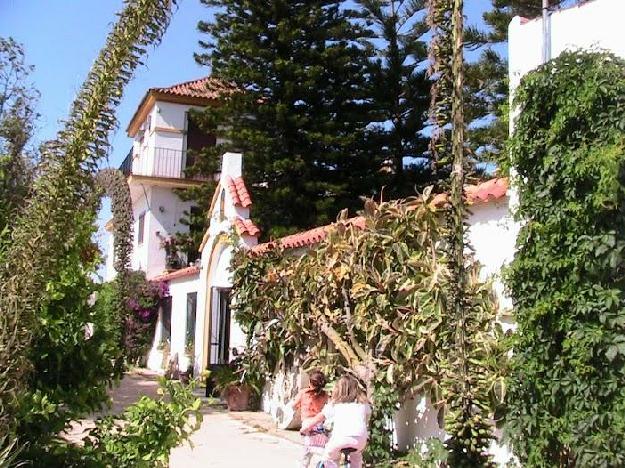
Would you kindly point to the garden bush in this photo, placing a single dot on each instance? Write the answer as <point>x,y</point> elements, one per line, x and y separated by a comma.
<point>567,398</point>
<point>143,435</point>
<point>75,349</point>
<point>371,300</point>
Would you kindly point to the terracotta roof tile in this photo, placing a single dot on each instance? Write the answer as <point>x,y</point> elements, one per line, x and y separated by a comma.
<point>246,226</point>
<point>238,192</point>
<point>182,273</point>
<point>207,87</point>
<point>490,190</point>
<point>306,238</point>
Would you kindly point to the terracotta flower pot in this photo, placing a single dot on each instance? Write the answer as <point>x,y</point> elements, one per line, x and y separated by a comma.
<point>238,397</point>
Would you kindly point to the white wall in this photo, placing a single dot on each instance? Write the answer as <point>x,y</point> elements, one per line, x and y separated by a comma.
<point>166,210</point>
<point>215,260</point>
<point>158,149</point>
<point>492,233</point>
<point>595,24</point>
<point>178,289</point>
<point>163,210</point>
<point>139,256</point>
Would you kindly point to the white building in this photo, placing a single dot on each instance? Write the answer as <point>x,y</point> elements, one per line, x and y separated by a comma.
<point>195,323</point>
<point>595,24</point>
<point>198,323</point>
<point>163,134</point>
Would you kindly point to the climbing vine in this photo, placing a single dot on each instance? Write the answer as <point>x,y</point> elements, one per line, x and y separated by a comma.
<point>370,300</point>
<point>567,398</point>
<point>112,183</point>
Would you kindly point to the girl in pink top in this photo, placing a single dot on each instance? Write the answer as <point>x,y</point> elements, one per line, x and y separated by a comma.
<point>311,401</point>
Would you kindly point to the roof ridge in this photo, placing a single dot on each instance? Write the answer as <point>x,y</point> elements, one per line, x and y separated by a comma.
<point>183,83</point>
<point>311,236</point>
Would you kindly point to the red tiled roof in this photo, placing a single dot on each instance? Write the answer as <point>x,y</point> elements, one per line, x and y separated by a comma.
<point>490,190</point>
<point>246,226</point>
<point>238,192</point>
<point>207,87</point>
<point>182,273</point>
<point>306,238</point>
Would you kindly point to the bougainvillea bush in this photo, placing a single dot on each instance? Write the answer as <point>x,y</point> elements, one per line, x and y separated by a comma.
<point>139,320</point>
<point>567,392</point>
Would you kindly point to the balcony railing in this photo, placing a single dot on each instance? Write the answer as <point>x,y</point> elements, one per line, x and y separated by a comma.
<point>157,162</point>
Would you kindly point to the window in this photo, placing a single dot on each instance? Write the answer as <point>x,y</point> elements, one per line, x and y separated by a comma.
<point>166,320</point>
<point>197,139</point>
<point>191,311</point>
<point>141,228</point>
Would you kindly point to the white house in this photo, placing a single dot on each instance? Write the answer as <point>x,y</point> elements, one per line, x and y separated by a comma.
<point>594,24</point>
<point>197,320</point>
<point>162,134</point>
<point>196,323</point>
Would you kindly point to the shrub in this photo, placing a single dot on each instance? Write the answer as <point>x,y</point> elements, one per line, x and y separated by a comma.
<point>75,350</point>
<point>142,436</point>
<point>370,300</point>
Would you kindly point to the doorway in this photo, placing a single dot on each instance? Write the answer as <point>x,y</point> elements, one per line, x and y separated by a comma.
<point>220,326</point>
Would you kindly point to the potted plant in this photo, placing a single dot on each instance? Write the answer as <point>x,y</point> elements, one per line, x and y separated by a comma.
<point>237,391</point>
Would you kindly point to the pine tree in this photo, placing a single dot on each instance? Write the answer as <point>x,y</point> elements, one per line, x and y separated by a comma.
<point>300,116</point>
<point>400,92</point>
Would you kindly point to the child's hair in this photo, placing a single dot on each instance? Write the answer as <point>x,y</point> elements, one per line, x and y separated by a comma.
<point>347,390</point>
<point>317,381</point>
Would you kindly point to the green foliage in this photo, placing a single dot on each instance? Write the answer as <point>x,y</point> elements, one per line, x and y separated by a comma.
<point>369,299</point>
<point>75,348</point>
<point>430,454</point>
<point>46,229</point>
<point>302,114</point>
<point>18,100</point>
<point>567,399</point>
<point>146,432</point>
<point>142,436</point>
<point>469,322</point>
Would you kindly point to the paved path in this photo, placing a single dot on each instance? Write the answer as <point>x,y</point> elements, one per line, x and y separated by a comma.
<point>224,442</point>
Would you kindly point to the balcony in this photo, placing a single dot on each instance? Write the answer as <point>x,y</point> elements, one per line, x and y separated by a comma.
<point>157,162</point>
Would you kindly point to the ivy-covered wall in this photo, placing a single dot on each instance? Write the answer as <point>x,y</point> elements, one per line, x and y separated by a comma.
<point>567,391</point>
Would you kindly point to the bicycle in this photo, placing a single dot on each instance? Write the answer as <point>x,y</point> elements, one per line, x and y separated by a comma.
<point>344,463</point>
<point>345,453</point>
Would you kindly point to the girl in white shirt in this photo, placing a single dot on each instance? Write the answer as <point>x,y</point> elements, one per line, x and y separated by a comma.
<point>350,412</point>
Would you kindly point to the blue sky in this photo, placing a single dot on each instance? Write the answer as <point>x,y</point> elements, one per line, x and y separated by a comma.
<point>62,38</point>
